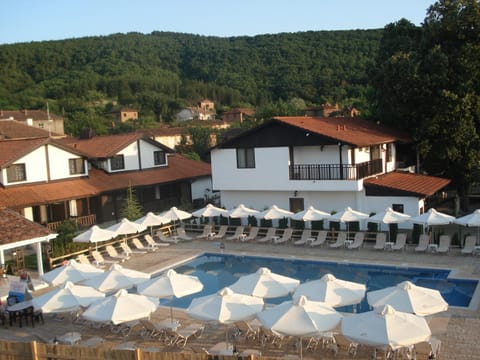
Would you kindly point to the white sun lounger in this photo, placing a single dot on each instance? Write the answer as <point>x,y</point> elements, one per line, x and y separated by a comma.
<point>470,245</point>
<point>380,241</point>
<point>400,242</point>
<point>340,242</point>
<point>423,242</point>
<point>252,235</point>
<point>357,241</point>
<point>320,239</point>
<point>268,236</point>
<point>236,235</point>
<point>306,234</point>
<point>286,237</point>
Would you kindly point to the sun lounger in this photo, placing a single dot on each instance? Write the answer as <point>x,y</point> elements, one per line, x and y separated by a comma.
<point>306,234</point>
<point>207,230</point>
<point>148,238</point>
<point>444,244</point>
<point>268,236</point>
<point>286,237</point>
<point>182,235</point>
<point>100,260</point>
<point>220,234</point>
<point>469,246</point>
<point>167,240</point>
<point>252,235</point>
<point>340,241</point>
<point>150,329</point>
<point>83,259</point>
<point>245,331</point>
<point>423,242</point>
<point>236,235</point>
<point>343,345</point>
<point>113,253</point>
<point>320,239</point>
<point>380,241</point>
<point>400,242</point>
<point>129,251</point>
<point>357,241</point>
<point>180,336</point>
<point>140,247</point>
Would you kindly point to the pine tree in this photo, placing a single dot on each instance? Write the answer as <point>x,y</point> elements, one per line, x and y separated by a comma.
<point>131,209</point>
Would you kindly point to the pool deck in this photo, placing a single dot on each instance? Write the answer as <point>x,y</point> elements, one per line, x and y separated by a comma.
<point>457,328</point>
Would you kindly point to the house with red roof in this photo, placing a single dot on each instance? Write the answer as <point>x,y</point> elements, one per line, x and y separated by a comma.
<point>327,162</point>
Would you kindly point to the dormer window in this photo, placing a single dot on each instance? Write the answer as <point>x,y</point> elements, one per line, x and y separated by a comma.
<point>159,157</point>
<point>117,162</point>
<point>16,172</point>
<point>77,166</point>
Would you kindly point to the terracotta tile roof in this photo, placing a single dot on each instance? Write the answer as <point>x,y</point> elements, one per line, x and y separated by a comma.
<point>102,146</point>
<point>12,129</point>
<point>22,115</point>
<point>352,131</point>
<point>164,131</point>
<point>11,150</point>
<point>417,184</point>
<point>15,227</point>
<point>98,181</point>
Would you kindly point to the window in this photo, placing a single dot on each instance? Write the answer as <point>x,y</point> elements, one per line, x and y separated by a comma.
<point>246,158</point>
<point>397,207</point>
<point>159,157</point>
<point>77,166</point>
<point>16,173</point>
<point>117,162</point>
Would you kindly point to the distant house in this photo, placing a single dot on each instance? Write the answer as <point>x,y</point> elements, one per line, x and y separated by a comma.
<point>37,118</point>
<point>329,110</point>
<point>125,114</point>
<point>203,110</point>
<point>186,114</point>
<point>238,114</point>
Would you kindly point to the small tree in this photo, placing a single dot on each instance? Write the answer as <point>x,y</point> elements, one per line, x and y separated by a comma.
<point>131,209</point>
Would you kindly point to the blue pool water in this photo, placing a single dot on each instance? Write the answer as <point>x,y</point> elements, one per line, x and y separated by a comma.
<point>217,271</point>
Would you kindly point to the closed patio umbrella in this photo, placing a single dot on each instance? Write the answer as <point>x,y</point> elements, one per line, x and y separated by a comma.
<point>241,211</point>
<point>389,216</point>
<point>274,212</point>
<point>432,218</point>
<point>210,211</point>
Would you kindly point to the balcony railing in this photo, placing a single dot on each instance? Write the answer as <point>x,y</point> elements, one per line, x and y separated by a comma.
<point>82,221</point>
<point>335,171</point>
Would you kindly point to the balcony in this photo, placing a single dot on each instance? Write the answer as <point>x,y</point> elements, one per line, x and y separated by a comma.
<point>82,221</point>
<point>336,171</point>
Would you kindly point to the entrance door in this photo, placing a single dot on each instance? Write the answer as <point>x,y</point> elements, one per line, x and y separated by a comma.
<point>296,204</point>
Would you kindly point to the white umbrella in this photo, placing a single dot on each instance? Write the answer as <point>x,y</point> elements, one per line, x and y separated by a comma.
<point>274,212</point>
<point>117,278</point>
<point>433,217</point>
<point>265,284</point>
<point>310,214</point>
<point>241,211</point>
<point>332,291</point>
<point>174,214</point>
<point>225,307</point>
<point>72,271</point>
<point>67,298</point>
<point>408,297</point>
<point>121,307</point>
<point>150,219</point>
<point>472,219</point>
<point>384,327</point>
<point>125,227</point>
<point>389,216</point>
<point>94,235</point>
<point>348,215</point>
<point>300,317</point>
<point>210,211</point>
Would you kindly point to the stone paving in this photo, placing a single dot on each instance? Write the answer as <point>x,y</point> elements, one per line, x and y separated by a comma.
<point>458,328</point>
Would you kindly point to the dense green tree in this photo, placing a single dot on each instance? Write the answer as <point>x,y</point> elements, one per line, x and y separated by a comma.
<point>131,208</point>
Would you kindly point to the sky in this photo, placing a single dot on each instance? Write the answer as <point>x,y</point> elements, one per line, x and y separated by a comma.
<point>39,20</point>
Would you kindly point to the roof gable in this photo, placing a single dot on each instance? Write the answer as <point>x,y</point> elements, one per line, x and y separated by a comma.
<point>16,228</point>
<point>12,129</point>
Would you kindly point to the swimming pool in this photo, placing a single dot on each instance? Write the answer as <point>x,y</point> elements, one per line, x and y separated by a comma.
<point>220,270</point>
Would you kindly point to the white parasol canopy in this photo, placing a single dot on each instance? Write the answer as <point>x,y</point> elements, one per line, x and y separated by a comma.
<point>121,307</point>
<point>472,219</point>
<point>95,234</point>
<point>433,217</point>
<point>348,215</point>
<point>265,284</point>
<point>174,214</point>
<point>274,212</point>
<point>67,298</point>
<point>150,219</point>
<point>389,216</point>
<point>170,284</point>
<point>210,211</point>
<point>117,278</point>
<point>408,297</point>
<point>384,327</point>
<point>241,211</point>
<point>310,214</point>
<point>332,291</point>
<point>225,307</point>
<point>125,227</point>
<point>72,271</point>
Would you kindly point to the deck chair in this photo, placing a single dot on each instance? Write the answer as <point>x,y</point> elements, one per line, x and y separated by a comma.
<point>245,331</point>
<point>469,246</point>
<point>180,336</point>
<point>150,329</point>
<point>252,235</point>
<point>400,242</point>
<point>129,251</point>
<point>100,260</point>
<point>320,239</point>
<point>140,247</point>
<point>221,233</point>
<point>268,236</point>
<point>148,238</point>
<point>182,235</point>
<point>286,237</point>
<point>306,234</point>
<point>423,242</point>
<point>207,230</point>
<point>343,345</point>
<point>236,235</point>
<point>444,244</point>
<point>167,240</point>
<point>357,241</point>
<point>113,253</point>
<point>380,241</point>
<point>83,259</point>
<point>340,241</point>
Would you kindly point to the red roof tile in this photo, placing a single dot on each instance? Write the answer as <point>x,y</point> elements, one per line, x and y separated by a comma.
<point>12,129</point>
<point>98,181</point>
<point>418,184</point>
<point>15,227</point>
<point>11,150</point>
<point>22,115</point>
<point>352,131</point>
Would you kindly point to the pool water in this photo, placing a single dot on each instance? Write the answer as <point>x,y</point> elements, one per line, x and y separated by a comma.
<point>217,271</point>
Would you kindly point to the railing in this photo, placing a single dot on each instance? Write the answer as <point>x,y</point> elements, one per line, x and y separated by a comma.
<point>335,171</point>
<point>82,221</point>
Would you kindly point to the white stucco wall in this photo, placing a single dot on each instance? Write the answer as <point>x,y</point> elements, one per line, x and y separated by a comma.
<point>35,167</point>
<point>146,153</point>
<point>200,186</point>
<point>130,156</point>
<point>59,163</point>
